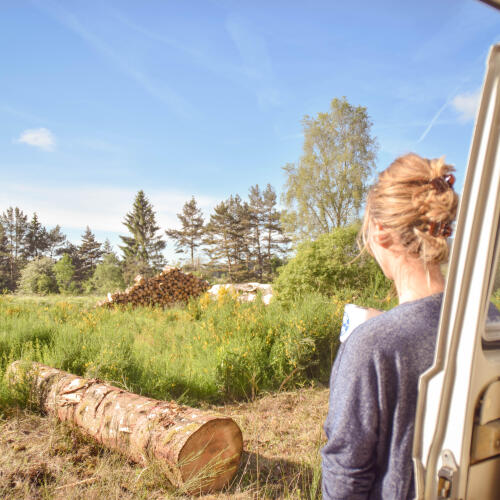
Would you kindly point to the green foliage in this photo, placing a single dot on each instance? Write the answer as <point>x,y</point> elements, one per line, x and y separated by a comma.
<point>108,275</point>
<point>275,346</point>
<point>212,350</point>
<point>189,237</point>
<point>132,266</point>
<point>36,240</point>
<point>38,277</point>
<point>15,226</point>
<point>267,238</point>
<point>243,239</point>
<point>89,255</point>
<point>64,271</point>
<point>226,237</point>
<point>55,239</point>
<point>143,245</point>
<point>327,187</point>
<point>325,266</point>
<point>4,260</point>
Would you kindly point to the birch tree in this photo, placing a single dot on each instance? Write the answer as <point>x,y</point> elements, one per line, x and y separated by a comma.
<point>327,187</point>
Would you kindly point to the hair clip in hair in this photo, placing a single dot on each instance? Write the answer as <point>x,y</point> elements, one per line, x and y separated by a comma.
<point>450,180</point>
<point>442,183</point>
<point>440,229</point>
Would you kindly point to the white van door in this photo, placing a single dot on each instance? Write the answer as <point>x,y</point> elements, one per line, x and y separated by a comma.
<point>456,449</point>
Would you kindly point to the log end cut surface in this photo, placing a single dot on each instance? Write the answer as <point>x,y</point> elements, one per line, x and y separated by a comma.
<point>211,455</point>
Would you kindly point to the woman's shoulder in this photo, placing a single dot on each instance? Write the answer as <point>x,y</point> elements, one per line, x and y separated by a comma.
<point>396,326</point>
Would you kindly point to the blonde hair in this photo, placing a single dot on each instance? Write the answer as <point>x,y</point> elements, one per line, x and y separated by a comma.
<point>409,200</point>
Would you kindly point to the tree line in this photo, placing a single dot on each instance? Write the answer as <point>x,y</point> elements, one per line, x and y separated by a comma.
<point>241,240</point>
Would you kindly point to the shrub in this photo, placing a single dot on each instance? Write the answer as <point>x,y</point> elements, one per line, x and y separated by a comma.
<point>326,266</point>
<point>108,276</point>
<point>38,277</point>
<point>65,273</point>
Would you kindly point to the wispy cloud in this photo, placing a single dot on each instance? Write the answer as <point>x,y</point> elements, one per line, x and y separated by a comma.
<point>23,115</point>
<point>256,71</point>
<point>466,105</point>
<point>257,65</point>
<point>154,88</point>
<point>100,207</point>
<point>41,138</point>
<point>193,53</point>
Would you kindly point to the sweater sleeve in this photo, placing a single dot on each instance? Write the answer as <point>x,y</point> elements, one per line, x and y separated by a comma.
<point>349,457</point>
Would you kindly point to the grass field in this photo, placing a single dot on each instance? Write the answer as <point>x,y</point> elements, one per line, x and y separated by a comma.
<point>212,351</point>
<point>266,366</point>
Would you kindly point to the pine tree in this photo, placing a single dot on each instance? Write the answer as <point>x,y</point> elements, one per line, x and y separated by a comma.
<point>15,224</point>
<point>36,239</point>
<point>241,220</point>
<point>89,253</point>
<point>274,237</point>
<point>144,246</point>
<point>55,240</point>
<point>4,259</point>
<point>268,238</point>
<point>227,237</point>
<point>107,248</point>
<point>217,237</point>
<point>190,236</point>
<point>256,207</point>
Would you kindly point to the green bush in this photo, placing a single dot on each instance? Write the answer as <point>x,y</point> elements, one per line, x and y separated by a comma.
<point>65,275</point>
<point>38,277</point>
<point>329,266</point>
<point>108,276</point>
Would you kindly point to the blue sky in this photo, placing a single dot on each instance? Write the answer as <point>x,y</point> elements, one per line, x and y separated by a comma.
<point>99,99</point>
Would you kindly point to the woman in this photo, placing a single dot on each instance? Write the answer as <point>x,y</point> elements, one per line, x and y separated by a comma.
<point>374,382</point>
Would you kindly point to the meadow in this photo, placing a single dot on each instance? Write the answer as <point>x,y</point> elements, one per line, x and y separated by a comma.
<point>267,366</point>
<point>212,351</point>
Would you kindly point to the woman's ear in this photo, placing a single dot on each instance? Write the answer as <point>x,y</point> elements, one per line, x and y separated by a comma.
<point>382,236</point>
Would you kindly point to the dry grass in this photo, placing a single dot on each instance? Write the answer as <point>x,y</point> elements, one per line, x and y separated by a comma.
<point>41,458</point>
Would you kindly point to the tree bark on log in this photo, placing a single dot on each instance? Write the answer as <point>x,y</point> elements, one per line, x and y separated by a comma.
<point>203,449</point>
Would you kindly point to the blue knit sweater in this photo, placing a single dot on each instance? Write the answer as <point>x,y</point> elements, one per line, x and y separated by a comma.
<point>373,397</point>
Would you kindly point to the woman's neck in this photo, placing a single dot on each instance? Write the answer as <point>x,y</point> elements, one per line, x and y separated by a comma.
<point>415,281</point>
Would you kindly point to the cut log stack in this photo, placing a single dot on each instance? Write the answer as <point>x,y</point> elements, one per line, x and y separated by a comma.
<point>169,287</point>
<point>201,448</point>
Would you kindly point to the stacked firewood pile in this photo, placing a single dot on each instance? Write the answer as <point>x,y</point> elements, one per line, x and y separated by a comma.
<point>168,287</point>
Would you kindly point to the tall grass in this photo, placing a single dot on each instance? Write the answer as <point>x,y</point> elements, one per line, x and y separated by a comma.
<point>208,351</point>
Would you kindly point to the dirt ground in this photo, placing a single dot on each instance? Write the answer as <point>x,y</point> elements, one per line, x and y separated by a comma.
<point>41,458</point>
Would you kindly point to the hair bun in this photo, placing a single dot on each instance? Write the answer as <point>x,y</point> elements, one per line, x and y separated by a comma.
<point>443,182</point>
<point>414,197</point>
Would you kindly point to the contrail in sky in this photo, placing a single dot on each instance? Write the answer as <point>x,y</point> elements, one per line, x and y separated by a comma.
<point>154,88</point>
<point>433,121</point>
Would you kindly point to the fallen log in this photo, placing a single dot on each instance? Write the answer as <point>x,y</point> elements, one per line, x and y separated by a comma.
<point>202,449</point>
